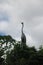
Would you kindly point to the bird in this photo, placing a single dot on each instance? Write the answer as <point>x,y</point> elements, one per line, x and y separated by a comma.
<point>23,37</point>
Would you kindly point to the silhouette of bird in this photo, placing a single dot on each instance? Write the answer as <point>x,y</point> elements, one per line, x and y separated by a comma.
<point>23,37</point>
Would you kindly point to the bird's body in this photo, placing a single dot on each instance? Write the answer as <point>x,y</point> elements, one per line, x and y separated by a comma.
<point>23,37</point>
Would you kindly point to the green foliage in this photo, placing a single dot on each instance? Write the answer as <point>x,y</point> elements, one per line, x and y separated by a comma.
<point>1,54</point>
<point>19,55</point>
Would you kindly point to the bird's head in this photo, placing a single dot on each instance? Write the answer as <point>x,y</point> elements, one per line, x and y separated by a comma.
<point>22,24</point>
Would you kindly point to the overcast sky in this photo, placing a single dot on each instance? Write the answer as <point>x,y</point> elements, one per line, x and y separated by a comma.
<point>13,12</point>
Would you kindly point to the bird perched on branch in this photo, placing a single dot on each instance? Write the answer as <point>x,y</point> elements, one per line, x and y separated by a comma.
<point>23,37</point>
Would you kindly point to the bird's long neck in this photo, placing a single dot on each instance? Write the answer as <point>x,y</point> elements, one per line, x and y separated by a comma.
<point>22,28</point>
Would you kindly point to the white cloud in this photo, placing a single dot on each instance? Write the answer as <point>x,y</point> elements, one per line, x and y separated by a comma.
<point>32,12</point>
<point>3,26</point>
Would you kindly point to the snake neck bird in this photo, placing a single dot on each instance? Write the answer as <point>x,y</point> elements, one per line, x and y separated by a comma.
<point>23,37</point>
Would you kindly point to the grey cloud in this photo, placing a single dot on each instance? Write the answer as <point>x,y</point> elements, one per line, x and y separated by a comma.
<point>31,13</point>
<point>4,16</point>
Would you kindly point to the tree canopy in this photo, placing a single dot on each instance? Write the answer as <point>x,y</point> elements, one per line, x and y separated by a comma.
<point>12,53</point>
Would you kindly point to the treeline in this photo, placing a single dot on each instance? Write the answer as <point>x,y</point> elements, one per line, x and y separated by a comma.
<point>12,53</point>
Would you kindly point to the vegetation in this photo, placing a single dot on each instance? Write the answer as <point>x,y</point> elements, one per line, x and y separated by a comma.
<point>12,53</point>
